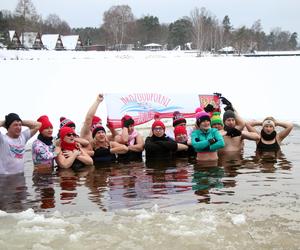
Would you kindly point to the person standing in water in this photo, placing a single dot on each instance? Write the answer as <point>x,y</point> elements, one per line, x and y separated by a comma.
<point>43,150</point>
<point>233,132</point>
<point>268,139</point>
<point>206,140</point>
<point>12,144</point>
<point>132,139</point>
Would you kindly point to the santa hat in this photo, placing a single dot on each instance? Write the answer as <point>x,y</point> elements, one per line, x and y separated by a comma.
<point>158,123</point>
<point>44,120</point>
<point>98,128</point>
<point>64,122</point>
<point>178,118</point>
<point>216,119</point>
<point>201,117</point>
<point>180,130</point>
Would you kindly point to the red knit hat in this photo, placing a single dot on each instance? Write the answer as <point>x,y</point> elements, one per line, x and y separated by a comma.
<point>64,131</point>
<point>65,145</point>
<point>45,122</point>
<point>180,130</point>
<point>66,122</point>
<point>96,119</point>
<point>158,123</point>
<point>127,121</point>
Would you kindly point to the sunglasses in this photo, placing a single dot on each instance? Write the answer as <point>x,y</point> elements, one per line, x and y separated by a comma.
<point>70,134</point>
<point>158,129</point>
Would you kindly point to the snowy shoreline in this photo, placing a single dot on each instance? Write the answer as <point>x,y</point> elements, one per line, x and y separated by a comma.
<point>65,83</point>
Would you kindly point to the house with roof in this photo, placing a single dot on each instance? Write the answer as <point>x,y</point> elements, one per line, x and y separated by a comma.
<point>72,42</point>
<point>31,40</point>
<point>14,40</point>
<point>153,46</point>
<point>52,42</point>
<point>227,50</point>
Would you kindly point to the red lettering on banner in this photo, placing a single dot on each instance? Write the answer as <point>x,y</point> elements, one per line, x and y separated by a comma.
<point>146,97</point>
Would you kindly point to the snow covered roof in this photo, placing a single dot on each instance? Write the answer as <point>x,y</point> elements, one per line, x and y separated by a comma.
<point>28,38</point>
<point>70,42</point>
<point>50,41</point>
<point>11,34</point>
<point>152,45</point>
<point>227,49</point>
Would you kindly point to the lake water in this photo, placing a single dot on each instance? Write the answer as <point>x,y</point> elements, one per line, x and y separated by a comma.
<point>243,203</point>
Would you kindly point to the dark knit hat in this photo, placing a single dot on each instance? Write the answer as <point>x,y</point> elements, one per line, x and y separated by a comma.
<point>158,123</point>
<point>127,121</point>
<point>10,118</point>
<point>201,117</point>
<point>228,114</point>
<point>64,122</point>
<point>96,129</point>
<point>45,122</point>
<point>178,118</point>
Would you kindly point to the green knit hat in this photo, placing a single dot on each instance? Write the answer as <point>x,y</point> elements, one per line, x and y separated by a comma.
<point>216,119</point>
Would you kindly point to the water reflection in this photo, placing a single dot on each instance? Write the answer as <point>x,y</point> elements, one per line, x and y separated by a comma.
<point>69,181</point>
<point>269,162</point>
<point>13,193</point>
<point>206,178</point>
<point>43,185</point>
<point>136,185</point>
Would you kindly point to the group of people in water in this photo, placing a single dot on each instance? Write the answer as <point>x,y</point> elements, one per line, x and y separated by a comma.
<point>210,136</point>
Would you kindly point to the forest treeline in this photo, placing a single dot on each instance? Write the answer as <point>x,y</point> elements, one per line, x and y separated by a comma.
<point>201,30</point>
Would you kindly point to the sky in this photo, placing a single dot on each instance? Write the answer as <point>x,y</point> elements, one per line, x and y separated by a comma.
<point>89,13</point>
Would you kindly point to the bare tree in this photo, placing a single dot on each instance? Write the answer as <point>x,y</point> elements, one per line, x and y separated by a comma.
<point>27,16</point>
<point>206,30</point>
<point>196,18</point>
<point>115,22</point>
<point>54,24</point>
<point>26,9</point>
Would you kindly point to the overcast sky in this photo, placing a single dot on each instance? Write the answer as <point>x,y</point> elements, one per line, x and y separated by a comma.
<point>88,13</point>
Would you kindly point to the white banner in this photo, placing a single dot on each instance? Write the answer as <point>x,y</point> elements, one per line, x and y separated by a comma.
<point>143,106</point>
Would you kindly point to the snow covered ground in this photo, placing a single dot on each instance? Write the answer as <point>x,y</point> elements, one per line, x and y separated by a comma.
<point>66,83</point>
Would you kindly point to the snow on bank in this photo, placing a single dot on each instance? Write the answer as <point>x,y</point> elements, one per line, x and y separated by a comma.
<point>66,83</point>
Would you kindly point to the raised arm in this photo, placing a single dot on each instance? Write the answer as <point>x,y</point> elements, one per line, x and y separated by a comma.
<point>240,123</point>
<point>285,132</point>
<point>251,126</point>
<point>85,130</point>
<point>32,125</point>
